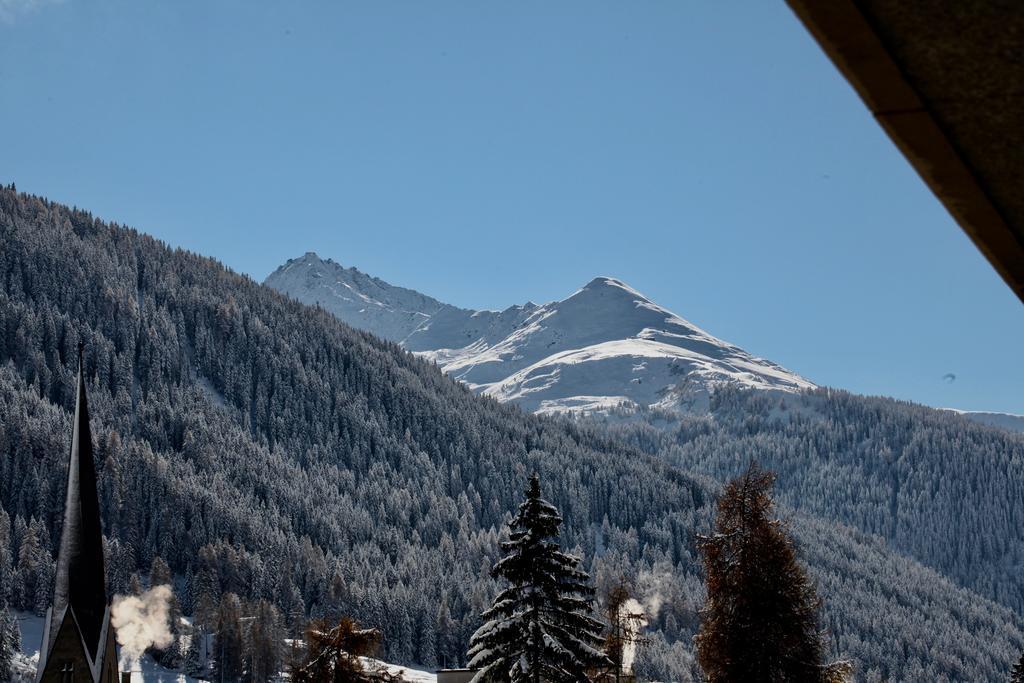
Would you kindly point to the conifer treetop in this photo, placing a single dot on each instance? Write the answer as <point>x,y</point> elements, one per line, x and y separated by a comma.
<point>539,627</point>
<point>1017,675</point>
<point>761,617</point>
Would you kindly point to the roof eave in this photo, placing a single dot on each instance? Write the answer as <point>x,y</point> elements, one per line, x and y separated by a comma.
<point>854,46</point>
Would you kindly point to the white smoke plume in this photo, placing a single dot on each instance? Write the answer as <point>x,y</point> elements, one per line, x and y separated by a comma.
<point>652,587</point>
<point>141,622</point>
<point>633,619</point>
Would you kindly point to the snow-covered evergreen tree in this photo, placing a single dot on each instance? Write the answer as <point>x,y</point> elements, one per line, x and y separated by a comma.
<point>189,653</point>
<point>229,643</point>
<point>6,561</point>
<point>28,568</point>
<point>6,651</point>
<point>447,650</point>
<point>539,628</point>
<point>10,641</point>
<point>264,648</point>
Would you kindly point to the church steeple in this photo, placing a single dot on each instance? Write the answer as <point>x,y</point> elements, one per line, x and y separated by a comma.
<point>80,577</point>
<point>78,641</point>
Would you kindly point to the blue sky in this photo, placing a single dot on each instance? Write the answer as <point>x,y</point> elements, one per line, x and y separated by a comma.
<point>488,153</point>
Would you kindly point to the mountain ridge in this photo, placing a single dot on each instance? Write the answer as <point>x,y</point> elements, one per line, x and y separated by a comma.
<point>604,346</point>
<point>1010,421</point>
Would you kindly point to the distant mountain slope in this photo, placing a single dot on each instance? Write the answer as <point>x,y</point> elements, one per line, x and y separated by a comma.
<point>606,345</point>
<point>416,321</point>
<point>262,447</point>
<point>1014,423</point>
<point>941,488</point>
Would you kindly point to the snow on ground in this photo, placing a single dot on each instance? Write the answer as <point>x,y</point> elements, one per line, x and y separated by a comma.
<point>148,671</point>
<point>31,634</point>
<point>206,386</point>
<point>409,674</point>
<point>151,672</point>
<point>641,371</point>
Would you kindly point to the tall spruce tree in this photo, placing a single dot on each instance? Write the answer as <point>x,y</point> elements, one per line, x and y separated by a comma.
<point>264,649</point>
<point>1017,675</point>
<point>10,641</point>
<point>229,643</point>
<point>539,628</point>
<point>761,618</point>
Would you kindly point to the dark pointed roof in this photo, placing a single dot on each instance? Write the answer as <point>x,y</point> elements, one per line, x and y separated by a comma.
<point>80,581</point>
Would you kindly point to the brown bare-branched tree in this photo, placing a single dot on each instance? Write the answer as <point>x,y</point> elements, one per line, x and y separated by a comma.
<point>760,623</point>
<point>333,655</point>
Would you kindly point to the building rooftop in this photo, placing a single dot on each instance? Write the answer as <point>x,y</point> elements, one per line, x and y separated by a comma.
<point>945,79</point>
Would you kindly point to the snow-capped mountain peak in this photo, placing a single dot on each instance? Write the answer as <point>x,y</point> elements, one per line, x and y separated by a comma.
<point>604,345</point>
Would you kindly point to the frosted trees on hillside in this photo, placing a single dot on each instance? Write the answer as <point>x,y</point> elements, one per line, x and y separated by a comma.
<point>1017,675</point>
<point>538,628</point>
<point>264,647</point>
<point>254,445</point>
<point>10,641</point>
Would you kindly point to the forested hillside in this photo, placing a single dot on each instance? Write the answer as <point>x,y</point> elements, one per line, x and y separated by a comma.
<point>943,489</point>
<point>262,447</point>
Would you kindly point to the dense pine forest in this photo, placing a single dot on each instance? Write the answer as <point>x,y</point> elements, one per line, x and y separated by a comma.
<point>262,448</point>
<point>936,486</point>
